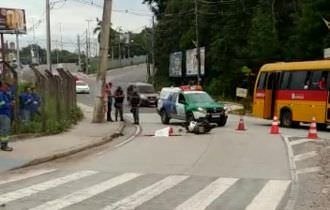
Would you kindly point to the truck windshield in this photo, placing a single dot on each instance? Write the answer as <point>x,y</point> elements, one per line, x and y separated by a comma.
<point>199,98</point>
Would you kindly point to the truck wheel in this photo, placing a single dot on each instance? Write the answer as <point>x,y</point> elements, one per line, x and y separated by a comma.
<point>222,122</point>
<point>164,117</point>
<point>190,118</point>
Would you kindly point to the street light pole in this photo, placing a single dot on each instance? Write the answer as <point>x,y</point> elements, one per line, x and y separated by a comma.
<point>49,62</point>
<point>198,54</point>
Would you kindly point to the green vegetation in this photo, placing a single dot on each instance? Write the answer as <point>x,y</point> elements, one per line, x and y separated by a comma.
<point>57,56</point>
<point>53,123</point>
<point>240,34</point>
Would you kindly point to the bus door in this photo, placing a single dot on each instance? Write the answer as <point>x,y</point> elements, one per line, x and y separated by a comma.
<point>270,94</point>
<point>328,106</point>
<point>259,95</point>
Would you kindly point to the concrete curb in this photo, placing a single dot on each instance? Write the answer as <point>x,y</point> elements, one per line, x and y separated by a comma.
<point>24,137</point>
<point>294,187</point>
<point>73,151</point>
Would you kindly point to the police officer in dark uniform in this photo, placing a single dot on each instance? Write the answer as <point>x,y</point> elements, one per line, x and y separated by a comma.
<point>135,104</point>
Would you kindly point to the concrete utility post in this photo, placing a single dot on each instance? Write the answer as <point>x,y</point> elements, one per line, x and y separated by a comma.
<point>49,62</point>
<point>18,57</point>
<point>87,53</point>
<point>153,46</point>
<point>79,56</point>
<point>198,54</point>
<point>99,114</point>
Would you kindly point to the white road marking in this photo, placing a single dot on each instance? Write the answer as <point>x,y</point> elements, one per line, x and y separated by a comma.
<point>308,170</point>
<point>146,194</point>
<point>25,192</point>
<point>302,141</point>
<point>29,174</point>
<point>305,156</point>
<point>270,196</point>
<point>205,197</point>
<point>89,192</point>
<point>138,130</point>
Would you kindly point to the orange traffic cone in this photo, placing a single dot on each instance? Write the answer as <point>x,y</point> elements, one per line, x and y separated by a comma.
<point>312,133</point>
<point>275,129</point>
<point>241,126</point>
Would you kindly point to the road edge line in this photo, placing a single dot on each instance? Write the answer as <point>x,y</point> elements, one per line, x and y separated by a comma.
<point>294,188</point>
<point>104,140</point>
<point>137,132</point>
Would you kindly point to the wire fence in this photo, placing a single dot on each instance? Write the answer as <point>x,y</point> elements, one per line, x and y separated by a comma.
<point>57,91</point>
<point>58,102</point>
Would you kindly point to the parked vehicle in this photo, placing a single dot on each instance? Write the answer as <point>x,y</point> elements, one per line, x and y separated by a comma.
<point>146,91</point>
<point>82,87</point>
<point>190,106</point>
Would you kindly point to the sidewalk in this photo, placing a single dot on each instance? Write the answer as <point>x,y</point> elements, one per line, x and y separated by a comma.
<point>41,149</point>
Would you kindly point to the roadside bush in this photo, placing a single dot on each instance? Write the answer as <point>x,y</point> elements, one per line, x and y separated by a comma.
<point>76,115</point>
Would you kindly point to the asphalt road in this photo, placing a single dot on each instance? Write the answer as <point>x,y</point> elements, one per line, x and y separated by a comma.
<point>225,169</point>
<point>119,77</point>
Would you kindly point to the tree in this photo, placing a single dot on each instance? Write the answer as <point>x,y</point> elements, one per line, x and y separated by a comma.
<point>239,33</point>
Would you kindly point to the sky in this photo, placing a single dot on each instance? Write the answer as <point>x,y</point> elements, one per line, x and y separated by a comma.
<point>69,18</point>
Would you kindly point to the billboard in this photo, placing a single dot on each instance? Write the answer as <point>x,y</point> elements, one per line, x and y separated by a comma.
<point>176,64</point>
<point>12,21</point>
<point>192,64</point>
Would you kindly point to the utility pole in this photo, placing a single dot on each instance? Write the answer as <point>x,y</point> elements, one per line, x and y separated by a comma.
<point>119,48</point>
<point>89,36</point>
<point>34,53</point>
<point>49,62</point>
<point>198,54</point>
<point>18,57</point>
<point>87,53</point>
<point>79,57</point>
<point>153,46</point>
<point>61,44</point>
<point>99,114</point>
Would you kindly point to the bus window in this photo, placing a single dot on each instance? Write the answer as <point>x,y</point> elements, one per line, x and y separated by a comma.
<point>285,80</point>
<point>298,79</point>
<point>262,81</point>
<point>315,78</point>
<point>328,81</point>
<point>270,83</point>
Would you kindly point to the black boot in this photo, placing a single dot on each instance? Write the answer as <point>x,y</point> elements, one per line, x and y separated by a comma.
<point>5,147</point>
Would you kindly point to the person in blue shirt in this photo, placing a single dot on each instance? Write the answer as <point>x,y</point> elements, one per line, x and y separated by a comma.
<point>5,116</point>
<point>26,102</point>
<point>36,102</point>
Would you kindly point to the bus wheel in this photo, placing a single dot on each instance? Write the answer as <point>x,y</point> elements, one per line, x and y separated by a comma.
<point>286,119</point>
<point>322,126</point>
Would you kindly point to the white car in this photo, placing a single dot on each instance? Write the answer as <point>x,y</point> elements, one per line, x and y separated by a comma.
<point>82,87</point>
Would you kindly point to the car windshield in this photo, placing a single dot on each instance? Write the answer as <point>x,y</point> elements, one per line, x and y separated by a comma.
<point>146,89</point>
<point>199,98</point>
<point>81,83</point>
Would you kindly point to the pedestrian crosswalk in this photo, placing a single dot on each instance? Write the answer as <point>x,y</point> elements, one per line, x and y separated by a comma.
<point>54,189</point>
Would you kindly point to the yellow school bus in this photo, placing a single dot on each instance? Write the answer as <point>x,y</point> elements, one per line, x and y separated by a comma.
<point>294,91</point>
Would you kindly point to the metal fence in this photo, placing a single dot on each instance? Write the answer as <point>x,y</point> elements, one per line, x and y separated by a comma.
<point>57,91</point>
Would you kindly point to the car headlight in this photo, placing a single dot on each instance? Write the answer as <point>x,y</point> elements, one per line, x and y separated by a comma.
<point>200,109</point>
<point>143,96</point>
